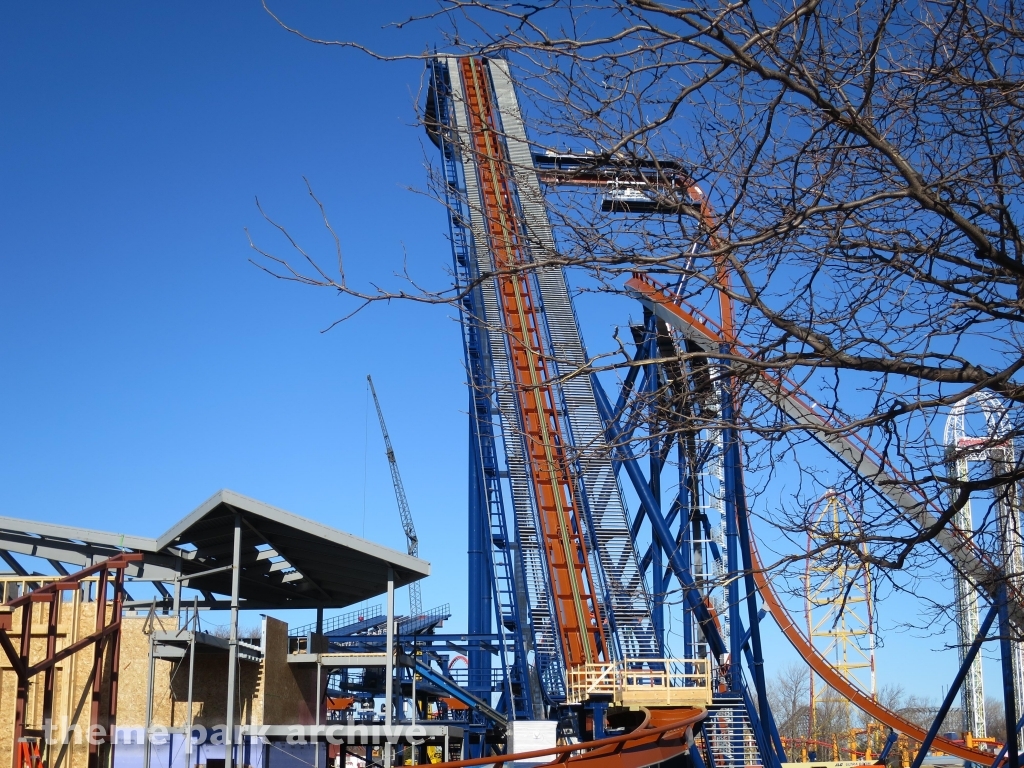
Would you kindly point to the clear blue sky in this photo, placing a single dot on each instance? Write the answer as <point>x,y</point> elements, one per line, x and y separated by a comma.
<point>146,363</point>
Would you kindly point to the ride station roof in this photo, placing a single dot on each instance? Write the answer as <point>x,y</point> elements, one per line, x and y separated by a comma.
<point>287,561</point>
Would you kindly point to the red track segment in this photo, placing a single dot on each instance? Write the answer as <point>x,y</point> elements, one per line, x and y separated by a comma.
<point>663,735</point>
<point>652,292</point>
<point>572,584</point>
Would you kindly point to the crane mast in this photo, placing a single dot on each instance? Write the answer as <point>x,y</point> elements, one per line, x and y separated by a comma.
<point>412,543</point>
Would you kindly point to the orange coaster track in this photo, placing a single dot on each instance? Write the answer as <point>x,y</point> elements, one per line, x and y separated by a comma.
<point>657,297</point>
<point>664,734</point>
<point>583,635</point>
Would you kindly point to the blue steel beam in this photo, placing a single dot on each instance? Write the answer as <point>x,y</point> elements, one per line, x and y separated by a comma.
<point>773,729</point>
<point>890,742</point>
<point>1009,694</point>
<point>734,467</point>
<point>764,744</point>
<point>453,689</point>
<point>660,527</point>
<point>954,688</point>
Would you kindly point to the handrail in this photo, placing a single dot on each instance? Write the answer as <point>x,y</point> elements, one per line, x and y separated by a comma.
<point>678,682</point>
<point>565,752</point>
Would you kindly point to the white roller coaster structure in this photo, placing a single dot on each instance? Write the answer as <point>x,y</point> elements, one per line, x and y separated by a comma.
<point>994,450</point>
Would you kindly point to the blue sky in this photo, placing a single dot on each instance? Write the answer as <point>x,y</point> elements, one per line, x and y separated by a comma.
<point>146,363</point>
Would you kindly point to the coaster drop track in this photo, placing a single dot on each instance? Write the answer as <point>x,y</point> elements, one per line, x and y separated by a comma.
<point>566,590</point>
<point>572,583</point>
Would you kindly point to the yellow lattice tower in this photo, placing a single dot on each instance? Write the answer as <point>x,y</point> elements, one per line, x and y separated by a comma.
<point>838,609</point>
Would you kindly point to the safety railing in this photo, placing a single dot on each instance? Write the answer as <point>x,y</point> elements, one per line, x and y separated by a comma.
<point>333,623</point>
<point>644,682</point>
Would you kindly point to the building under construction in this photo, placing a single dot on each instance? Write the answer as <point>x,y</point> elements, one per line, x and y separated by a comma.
<point>90,668</point>
<point>573,545</point>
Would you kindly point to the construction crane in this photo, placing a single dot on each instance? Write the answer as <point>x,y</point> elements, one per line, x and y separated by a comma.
<point>412,543</point>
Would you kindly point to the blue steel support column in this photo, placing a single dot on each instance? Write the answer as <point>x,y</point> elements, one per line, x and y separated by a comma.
<point>732,564</point>
<point>1009,694</point>
<point>479,595</point>
<point>771,728</point>
<point>734,460</point>
<point>649,386</point>
<point>764,745</point>
<point>657,585</point>
<point>660,528</point>
<point>686,529</point>
<point>657,566</point>
<point>954,688</point>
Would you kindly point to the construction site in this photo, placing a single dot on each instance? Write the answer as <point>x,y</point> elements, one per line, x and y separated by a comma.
<point>582,551</point>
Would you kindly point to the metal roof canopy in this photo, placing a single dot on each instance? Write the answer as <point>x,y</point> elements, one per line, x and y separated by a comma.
<point>287,561</point>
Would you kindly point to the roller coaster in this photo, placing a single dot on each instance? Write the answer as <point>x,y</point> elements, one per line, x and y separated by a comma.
<point>567,587</point>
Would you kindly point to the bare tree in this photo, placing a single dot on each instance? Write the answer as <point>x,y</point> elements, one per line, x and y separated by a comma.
<point>789,699</point>
<point>848,174</point>
<point>995,715</point>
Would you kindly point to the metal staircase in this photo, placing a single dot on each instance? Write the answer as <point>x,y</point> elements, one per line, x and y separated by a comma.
<point>727,732</point>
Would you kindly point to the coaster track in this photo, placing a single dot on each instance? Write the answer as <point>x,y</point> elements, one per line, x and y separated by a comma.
<point>573,587</point>
<point>791,399</point>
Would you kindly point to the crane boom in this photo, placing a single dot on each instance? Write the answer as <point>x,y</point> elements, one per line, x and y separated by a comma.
<point>412,543</point>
